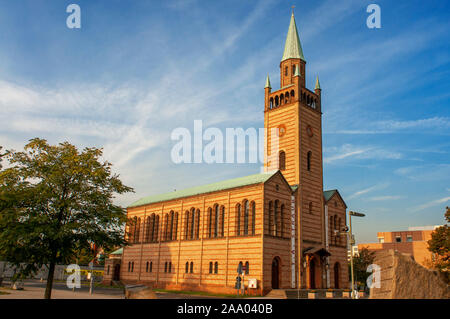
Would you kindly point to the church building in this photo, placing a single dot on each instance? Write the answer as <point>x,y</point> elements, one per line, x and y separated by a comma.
<point>281,225</point>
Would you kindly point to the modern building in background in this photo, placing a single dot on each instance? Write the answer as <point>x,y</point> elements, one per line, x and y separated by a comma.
<point>280,224</point>
<point>412,241</point>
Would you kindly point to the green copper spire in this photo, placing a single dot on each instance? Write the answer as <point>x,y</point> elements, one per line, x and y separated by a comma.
<point>293,48</point>
<point>317,84</point>
<point>267,82</point>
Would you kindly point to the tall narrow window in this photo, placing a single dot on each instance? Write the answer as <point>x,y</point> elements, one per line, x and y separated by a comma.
<point>146,267</point>
<point>210,221</point>
<point>156,232</point>
<point>216,267</point>
<point>166,226</point>
<point>253,217</point>
<point>151,266</point>
<point>175,227</point>
<point>310,207</point>
<point>187,267</point>
<point>246,213</point>
<point>282,213</point>
<point>238,219</point>
<point>293,69</point>
<point>210,267</point>
<point>197,224</point>
<point>165,267</point>
<point>308,160</point>
<point>247,270</point>
<point>216,221</point>
<point>286,71</point>
<point>192,267</point>
<point>171,226</point>
<point>186,234</point>
<point>276,218</point>
<point>270,218</point>
<point>192,223</point>
<point>222,222</point>
<point>282,161</point>
<point>170,266</point>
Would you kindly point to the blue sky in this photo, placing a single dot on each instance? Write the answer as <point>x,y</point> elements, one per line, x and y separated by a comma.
<point>138,69</point>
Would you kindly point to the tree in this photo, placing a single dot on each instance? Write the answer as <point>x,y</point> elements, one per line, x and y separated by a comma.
<point>54,202</point>
<point>364,258</point>
<point>439,245</point>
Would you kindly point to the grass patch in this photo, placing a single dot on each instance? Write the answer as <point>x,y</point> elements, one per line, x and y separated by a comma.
<point>202,293</point>
<point>4,293</point>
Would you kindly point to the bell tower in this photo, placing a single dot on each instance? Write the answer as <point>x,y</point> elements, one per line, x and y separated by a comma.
<point>295,111</point>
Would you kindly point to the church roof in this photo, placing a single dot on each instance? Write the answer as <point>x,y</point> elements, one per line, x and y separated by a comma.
<point>209,188</point>
<point>317,87</point>
<point>328,194</point>
<point>292,47</point>
<point>117,252</point>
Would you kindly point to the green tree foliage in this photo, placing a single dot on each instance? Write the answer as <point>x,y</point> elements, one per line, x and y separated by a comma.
<point>55,202</point>
<point>364,258</point>
<point>439,245</point>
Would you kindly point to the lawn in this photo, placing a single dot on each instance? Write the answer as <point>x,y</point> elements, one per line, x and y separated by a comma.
<point>202,293</point>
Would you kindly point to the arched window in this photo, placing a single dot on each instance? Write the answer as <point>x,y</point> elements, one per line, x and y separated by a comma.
<point>137,230</point>
<point>151,228</point>
<point>247,271</point>
<point>170,266</point>
<point>166,226</point>
<point>253,217</point>
<point>276,101</point>
<point>197,225</point>
<point>175,227</point>
<point>281,98</point>
<point>282,212</point>
<point>271,103</point>
<point>216,267</point>
<point>156,232</point>
<point>187,267</point>
<point>240,265</point>
<point>216,221</point>
<point>210,221</point>
<point>238,219</point>
<point>308,160</point>
<point>310,207</point>
<point>165,267</point>
<point>222,222</point>
<point>210,267</point>
<point>186,229</point>
<point>171,226</point>
<point>246,214</point>
<point>270,218</point>
<point>192,267</point>
<point>151,266</point>
<point>286,71</point>
<point>286,98</point>
<point>335,222</point>
<point>146,267</point>
<point>276,219</point>
<point>292,94</point>
<point>192,227</point>
<point>282,160</point>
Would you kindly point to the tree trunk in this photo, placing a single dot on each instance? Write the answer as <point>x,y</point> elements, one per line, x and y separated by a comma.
<point>51,272</point>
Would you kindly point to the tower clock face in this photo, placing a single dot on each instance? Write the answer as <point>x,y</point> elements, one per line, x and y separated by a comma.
<point>309,131</point>
<point>281,130</point>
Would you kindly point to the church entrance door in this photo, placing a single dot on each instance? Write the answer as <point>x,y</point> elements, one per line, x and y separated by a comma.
<point>312,274</point>
<point>275,273</point>
<point>116,272</point>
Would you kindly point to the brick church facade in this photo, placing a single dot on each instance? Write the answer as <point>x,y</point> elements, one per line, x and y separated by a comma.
<point>280,224</point>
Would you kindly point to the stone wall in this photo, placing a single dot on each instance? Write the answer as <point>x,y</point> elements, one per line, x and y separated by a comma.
<point>403,278</point>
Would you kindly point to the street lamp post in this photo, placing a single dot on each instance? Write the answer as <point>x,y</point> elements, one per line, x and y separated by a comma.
<point>352,242</point>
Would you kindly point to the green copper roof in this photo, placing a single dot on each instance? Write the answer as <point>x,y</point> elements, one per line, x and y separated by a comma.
<point>117,252</point>
<point>317,84</point>
<point>329,194</point>
<point>228,184</point>
<point>267,82</point>
<point>292,48</point>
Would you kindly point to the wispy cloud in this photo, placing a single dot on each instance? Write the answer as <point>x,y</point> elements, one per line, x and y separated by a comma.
<point>385,198</point>
<point>431,204</point>
<point>349,151</point>
<point>368,190</point>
